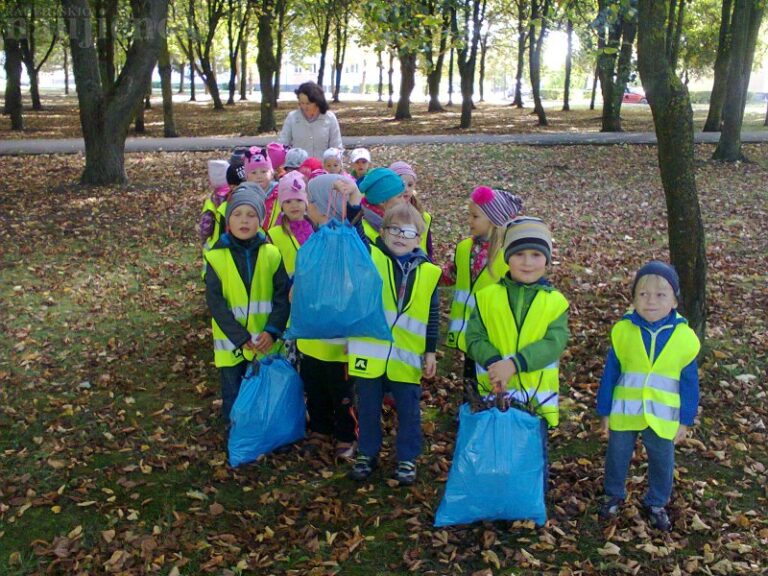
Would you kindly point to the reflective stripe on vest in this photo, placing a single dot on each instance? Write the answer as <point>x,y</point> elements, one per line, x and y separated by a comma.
<point>540,386</point>
<point>649,394</point>
<point>401,359</point>
<point>329,350</point>
<point>251,311</point>
<point>465,289</point>
<point>288,246</point>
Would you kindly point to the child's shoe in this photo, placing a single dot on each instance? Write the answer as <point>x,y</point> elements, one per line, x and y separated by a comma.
<point>609,508</point>
<point>345,451</point>
<point>658,518</point>
<point>405,473</point>
<point>363,467</point>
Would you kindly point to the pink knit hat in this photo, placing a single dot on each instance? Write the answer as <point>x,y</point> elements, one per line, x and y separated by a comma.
<point>402,169</point>
<point>217,176</point>
<point>500,206</point>
<point>276,153</point>
<point>258,159</point>
<point>292,186</point>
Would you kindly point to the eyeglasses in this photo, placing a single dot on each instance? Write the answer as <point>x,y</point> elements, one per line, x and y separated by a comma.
<point>407,233</point>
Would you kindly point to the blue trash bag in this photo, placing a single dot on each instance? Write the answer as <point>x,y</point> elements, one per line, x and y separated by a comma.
<point>497,471</point>
<point>269,411</point>
<point>336,288</point>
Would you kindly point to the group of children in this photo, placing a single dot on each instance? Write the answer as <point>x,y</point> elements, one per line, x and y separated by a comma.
<point>505,316</point>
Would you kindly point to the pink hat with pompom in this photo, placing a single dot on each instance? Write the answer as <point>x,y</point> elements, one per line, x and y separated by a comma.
<point>500,206</point>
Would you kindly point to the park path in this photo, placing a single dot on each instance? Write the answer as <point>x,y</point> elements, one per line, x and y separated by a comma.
<point>205,143</point>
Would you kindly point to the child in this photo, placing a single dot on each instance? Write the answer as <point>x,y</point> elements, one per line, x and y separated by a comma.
<point>382,189</point>
<point>211,220</point>
<point>246,291</point>
<point>258,169</point>
<point>310,168</point>
<point>360,158</point>
<point>294,158</point>
<point>519,327</point>
<point>408,176</point>
<point>276,153</point>
<point>332,161</point>
<point>478,261</point>
<point>293,228</point>
<point>411,305</point>
<point>650,386</point>
<point>330,395</point>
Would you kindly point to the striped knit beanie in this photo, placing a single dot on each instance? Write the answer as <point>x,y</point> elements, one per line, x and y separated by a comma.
<point>500,206</point>
<point>527,233</point>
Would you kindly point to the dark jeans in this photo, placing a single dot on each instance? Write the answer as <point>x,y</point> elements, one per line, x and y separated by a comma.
<point>330,398</point>
<point>231,378</point>
<point>370,392</point>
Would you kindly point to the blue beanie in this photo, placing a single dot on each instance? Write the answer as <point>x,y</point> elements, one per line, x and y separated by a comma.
<point>381,184</point>
<point>658,268</point>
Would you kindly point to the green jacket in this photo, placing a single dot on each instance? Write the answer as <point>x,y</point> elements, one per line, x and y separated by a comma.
<point>536,356</point>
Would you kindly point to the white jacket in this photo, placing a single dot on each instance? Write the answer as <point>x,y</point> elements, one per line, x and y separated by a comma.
<point>315,137</point>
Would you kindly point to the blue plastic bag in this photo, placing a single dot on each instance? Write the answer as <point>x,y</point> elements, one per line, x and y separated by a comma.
<point>269,411</point>
<point>497,471</point>
<point>336,288</point>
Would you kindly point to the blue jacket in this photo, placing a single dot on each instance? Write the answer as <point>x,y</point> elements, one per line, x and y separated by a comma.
<point>689,377</point>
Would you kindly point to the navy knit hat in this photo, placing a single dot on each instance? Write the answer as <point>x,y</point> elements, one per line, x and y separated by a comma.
<point>659,268</point>
<point>381,184</point>
<point>249,194</point>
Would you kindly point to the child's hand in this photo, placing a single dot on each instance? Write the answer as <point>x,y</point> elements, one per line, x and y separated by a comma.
<point>682,432</point>
<point>349,189</point>
<point>250,346</point>
<point>263,342</point>
<point>430,365</point>
<point>499,374</point>
<point>604,427</point>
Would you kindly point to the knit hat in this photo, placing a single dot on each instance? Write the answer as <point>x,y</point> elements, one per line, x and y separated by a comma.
<point>360,153</point>
<point>217,176</point>
<point>333,153</point>
<point>309,167</point>
<point>658,268</point>
<point>527,233</point>
<point>402,169</point>
<point>292,187</point>
<point>258,159</point>
<point>236,174</point>
<point>276,153</point>
<point>500,206</point>
<point>294,157</point>
<point>321,193</point>
<point>381,184</point>
<point>249,194</point>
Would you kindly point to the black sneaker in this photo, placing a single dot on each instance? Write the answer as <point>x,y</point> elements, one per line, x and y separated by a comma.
<point>363,467</point>
<point>405,473</point>
<point>609,508</point>
<point>658,518</point>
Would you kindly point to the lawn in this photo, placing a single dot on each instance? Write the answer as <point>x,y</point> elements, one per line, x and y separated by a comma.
<point>112,456</point>
<point>60,119</point>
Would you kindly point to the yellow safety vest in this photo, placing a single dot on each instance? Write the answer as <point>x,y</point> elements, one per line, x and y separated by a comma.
<point>427,223</point>
<point>465,289</point>
<point>288,246</point>
<point>401,359</point>
<point>649,394</point>
<point>370,231</point>
<point>218,224</point>
<point>275,208</point>
<point>328,350</point>
<point>250,310</point>
<point>539,388</point>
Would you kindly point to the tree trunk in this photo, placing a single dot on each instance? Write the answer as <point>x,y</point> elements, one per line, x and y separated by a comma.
<point>594,88</point>
<point>747,17</point>
<point>380,66</point>
<point>66,69</point>
<point>13,104</point>
<point>139,127</point>
<point>522,35</point>
<point>535,42</point>
<point>390,72</point>
<point>192,97</point>
<point>483,52</point>
<point>182,70</point>
<point>265,61</point>
<point>673,119</point>
<point>407,82</point>
<point>279,52</point>
<point>568,64</point>
<point>244,68</point>
<point>720,84</point>
<point>209,77</point>
<point>765,123</point>
<point>450,78</point>
<point>613,64</point>
<point>106,11</point>
<point>105,120</point>
<point>166,71</point>
<point>324,40</point>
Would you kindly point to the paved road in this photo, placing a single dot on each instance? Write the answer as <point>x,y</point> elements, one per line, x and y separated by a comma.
<point>75,145</point>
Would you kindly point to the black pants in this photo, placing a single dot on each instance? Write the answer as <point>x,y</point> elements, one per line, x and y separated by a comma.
<point>330,398</point>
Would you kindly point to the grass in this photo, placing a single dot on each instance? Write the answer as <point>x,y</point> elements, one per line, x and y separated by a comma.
<point>101,286</point>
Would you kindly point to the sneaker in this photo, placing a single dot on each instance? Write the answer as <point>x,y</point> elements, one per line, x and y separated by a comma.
<point>405,473</point>
<point>363,467</point>
<point>609,508</point>
<point>658,518</point>
<point>345,451</point>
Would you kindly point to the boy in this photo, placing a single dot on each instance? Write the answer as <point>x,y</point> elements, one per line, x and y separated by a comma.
<point>360,158</point>
<point>650,386</point>
<point>519,328</point>
<point>409,293</point>
<point>246,291</point>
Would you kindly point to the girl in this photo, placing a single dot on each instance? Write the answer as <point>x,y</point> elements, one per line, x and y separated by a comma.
<point>258,169</point>
<point>478,261</point>
<point>292,228</point>
<point>332,161</point>
<point>383,189</point>
<point>408,176</point>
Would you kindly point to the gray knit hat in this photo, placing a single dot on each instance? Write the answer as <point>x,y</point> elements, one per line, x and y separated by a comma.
<point>322,195</point>
<point>248,193</point>
<point>527,233</point>
<point>294,157</point>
